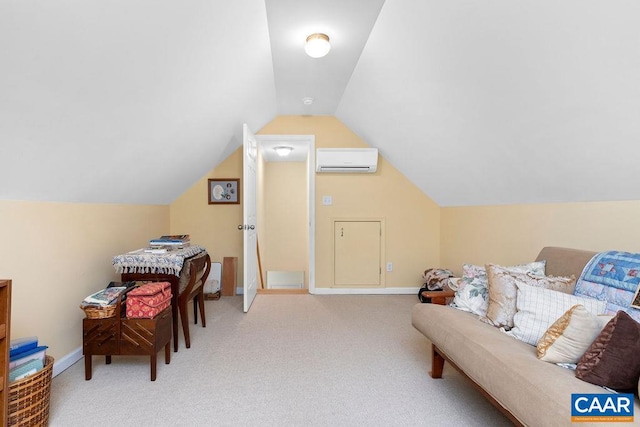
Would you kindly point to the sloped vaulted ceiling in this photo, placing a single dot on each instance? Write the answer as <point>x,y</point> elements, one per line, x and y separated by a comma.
<point>476,102</point>
<point>127,101</point>
<point>500,101</point>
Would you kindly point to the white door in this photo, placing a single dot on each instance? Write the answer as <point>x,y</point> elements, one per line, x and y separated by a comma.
<point>250,149</point>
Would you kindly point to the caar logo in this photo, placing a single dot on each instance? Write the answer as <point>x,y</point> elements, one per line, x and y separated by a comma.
<point>602,408</point>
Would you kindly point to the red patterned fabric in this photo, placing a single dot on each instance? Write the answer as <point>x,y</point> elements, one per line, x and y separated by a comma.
<point>147,301</point>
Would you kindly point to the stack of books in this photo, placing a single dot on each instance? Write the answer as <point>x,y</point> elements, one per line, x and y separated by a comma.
<point>169,242</point>
<point>26,357</point>
<point>104,297</point>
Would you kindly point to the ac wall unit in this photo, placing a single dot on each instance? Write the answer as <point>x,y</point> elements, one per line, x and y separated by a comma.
<point>341,160</point>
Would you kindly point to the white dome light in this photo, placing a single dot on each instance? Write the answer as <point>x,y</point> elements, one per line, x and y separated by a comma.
<point>317,45</point>
<point>282,150</point>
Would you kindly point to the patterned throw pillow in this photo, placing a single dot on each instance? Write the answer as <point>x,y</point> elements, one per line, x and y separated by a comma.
<point>472,294</point>
<point>538,308</point>
<point>503,291</point>
<point>570,336</point>
<point>612,359</point>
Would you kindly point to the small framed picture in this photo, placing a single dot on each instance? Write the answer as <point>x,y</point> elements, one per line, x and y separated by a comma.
<point>224,191</point>
<point>635,302</point>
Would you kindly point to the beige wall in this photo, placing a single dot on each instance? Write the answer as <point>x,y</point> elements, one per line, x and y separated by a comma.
<point>412,220</point>
<point>515,234</point>
<point>58,253</point>
<point>214,227</point>
<point>284,238</point>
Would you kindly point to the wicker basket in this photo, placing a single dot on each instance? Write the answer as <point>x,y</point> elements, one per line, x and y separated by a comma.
<point>99,312</point>
<point>29,398</point>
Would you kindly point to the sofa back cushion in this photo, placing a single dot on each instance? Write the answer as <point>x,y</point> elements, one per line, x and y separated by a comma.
<point>564,261</point>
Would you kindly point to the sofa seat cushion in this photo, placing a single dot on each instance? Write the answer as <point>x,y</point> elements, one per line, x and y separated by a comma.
<point>506,368</point>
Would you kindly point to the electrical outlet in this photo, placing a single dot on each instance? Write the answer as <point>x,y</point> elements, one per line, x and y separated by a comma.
<point>327,200</point>
<point>389,266</point>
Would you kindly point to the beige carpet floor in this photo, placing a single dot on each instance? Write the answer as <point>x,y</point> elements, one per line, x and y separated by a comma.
<point>294,360</point>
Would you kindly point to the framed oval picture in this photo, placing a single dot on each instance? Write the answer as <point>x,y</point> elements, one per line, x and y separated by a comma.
<point>224,191</point>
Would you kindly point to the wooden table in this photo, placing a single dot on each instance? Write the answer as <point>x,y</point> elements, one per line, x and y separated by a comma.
<point>174,279</point>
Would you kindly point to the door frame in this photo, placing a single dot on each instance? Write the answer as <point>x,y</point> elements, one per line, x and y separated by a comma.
<point>310,142</point>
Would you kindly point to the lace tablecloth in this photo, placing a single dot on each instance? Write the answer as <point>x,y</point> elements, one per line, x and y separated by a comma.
<point>143,262</point>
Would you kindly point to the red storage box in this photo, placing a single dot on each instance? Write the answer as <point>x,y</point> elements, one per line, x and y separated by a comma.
<point>147,301</point>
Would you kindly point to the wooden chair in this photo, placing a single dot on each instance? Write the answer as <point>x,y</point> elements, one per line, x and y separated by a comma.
<point>194,290</point>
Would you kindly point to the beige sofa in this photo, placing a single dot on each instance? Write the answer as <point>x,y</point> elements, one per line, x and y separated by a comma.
<point>528,391</point>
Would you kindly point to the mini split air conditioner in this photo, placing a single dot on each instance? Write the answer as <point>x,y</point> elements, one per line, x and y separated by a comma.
<point>341,160</point>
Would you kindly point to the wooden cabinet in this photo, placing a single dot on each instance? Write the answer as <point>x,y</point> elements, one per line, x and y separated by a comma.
<point>121,336</point>
<point>5,321</point>
<point>175,290</point>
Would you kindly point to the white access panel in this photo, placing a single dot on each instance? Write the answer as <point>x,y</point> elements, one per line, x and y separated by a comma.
<point>285,279</point>
<point>357,253</point>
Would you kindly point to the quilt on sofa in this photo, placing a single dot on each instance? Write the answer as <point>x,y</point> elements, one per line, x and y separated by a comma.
<point>614,277</point>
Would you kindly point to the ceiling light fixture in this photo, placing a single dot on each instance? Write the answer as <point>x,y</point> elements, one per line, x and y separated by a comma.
<point>317,45</point>
<point>283,150</point>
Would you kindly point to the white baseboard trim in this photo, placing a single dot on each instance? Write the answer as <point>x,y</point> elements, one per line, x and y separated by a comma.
<point>366,291</point>
<point>66,361</point>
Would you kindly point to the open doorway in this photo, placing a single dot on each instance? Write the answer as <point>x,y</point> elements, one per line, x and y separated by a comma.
<point>286,214</point>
